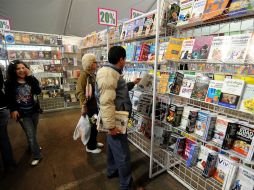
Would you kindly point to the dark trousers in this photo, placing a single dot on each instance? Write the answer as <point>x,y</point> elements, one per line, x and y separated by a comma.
<point>92,143</point>
<point>118,158</point>
<point>29,124</point>
<point>5,145</point>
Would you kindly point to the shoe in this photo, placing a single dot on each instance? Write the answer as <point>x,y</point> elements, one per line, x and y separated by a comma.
<point>115,174</point>
<point>35,162</point>
<point>100,145</point>
<point>95,151</point>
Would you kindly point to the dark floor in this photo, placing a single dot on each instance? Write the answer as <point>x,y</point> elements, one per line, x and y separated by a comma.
<point>66,165</point>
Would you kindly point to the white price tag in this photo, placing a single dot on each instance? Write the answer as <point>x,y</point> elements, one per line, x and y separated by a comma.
<point>4,24</point>
<point>135,13</point>
<point>107,17</point>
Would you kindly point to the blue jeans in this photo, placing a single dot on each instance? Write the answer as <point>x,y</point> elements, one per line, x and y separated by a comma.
<point>118,158</point>
<point>5,145</point>
<point>29,124</point>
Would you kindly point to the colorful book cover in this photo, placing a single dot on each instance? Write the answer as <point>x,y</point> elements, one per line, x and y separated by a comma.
<point>250,52</point>
<point>243,139</point>
<point>186,50</point>
<point>178,81</point>
<point>174,115</point>
<point>200,88</point>
<point>197,10</point>
<point>9,38</point>
<point>230,134</point>
<point>173,13</point>
<point>46,39</point>
<point>210,165</point>
<point>247,103</point>
<point>39,39</point>
<point>148,25</point>
<point>130,52</point>
<point>231,93</point>
<point>32,39</point>
<point>162,50</point>
<point>202,156</point>
<point>220,130</point>
<point>224,167</point>
<point>180,146</point>
<point>188,145</point>
<point>137,54</point>
<point>138,27</point>
<point>192,120</point>
<point>129,31</point>
<point>214,8</point>
<point>202,47</point>
<point>201,123</point>
<point>17,38</point>
<point>244,179</point>
<point>34,54</point>
<point>184,121</point>
<point>185,12</point>
<point>239,7</point>
<point>144,52</point>
<point>151,55</point>
<point>163,84</point>
<point>187,86</point>
<point>219,49</point>
<point>193,155</point>
<point>25,38</point>
<point>214,91</point>
<point>238,49</point>
<point>174,48</point>
<point>171,80</point>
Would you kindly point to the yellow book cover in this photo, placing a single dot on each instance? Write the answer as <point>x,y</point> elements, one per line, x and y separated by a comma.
<point>214,8</point>
<point>174,48</point>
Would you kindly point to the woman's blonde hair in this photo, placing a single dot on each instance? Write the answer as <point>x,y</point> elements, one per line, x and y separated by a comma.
<point>88,60</point>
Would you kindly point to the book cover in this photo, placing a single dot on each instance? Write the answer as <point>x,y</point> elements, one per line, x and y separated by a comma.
<point>25,38</point>
<point>174,115</point>
<point>188,146</point>
<point>32,38</point>
<point>163,84</point>
<point>151,54</point>
<point>3,53</point>
<point>9,38</point>
<point>165,139</point>
<point>137,54</point>
<point>47,55</point>
<point>214,8</point>
<point>173,13</point>
<point>202,156</point>
<point>162,50</point>
<point>46,39</point>
<point>186,50</point>
<point>130,52</point>
<point>223,168</point>
<point>39,68</point>
<point>17,38</point>
<point>192,120</point>
<point>176,86</point>
<point>185,12</point>
<point>202,47</point>
<point>200,88</point>
<point>201,123</point>
<point>148,26</point>
<point>214,91</point>
<point>231,93</point>
<point>138,27</point>
<point>243,139</point>
<point>197,10</point>
<point>39,39</point>
<point>180,146</point>
<point>53,40</point>
<point>209,169</point>
<point>240,7</point>
<point>238,48</point>
<point>244,179</point>
<point>193,155</point>
<point>230,134</point>
<point>220,130</point>
<point>34,54</point>
<point>171,80</point>
<point>144,52</point>
<point>174,48</point>
<point>184,121</point>
<point>247,102</point>
<point>135,99</point>
<point>187,86</point>
<point>219,49</point>
<point>129,31</point>
<point>250,52</point>
<point>146,83</point>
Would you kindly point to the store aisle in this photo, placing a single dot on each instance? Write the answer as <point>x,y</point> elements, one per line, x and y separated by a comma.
<point>66,165</point>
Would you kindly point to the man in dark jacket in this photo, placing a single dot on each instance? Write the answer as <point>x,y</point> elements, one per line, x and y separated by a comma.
<point>5,145</point>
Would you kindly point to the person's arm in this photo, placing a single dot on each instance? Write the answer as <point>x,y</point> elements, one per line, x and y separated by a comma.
<point>10,96</point>
<point>34,83</point>
<point>131,85</point>
<point>81,89</point>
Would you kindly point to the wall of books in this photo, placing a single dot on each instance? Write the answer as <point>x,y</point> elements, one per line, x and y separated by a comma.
<point>45,55</point>
<point>204,126</point>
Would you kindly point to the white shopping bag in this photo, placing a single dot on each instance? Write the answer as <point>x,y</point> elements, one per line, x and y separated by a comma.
<point>83,130</point>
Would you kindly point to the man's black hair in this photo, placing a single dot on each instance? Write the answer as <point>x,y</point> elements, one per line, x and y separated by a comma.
<point>115,54</point>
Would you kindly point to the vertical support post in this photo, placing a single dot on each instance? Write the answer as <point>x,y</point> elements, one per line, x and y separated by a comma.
<point>107,41</point>
<point>155,85</point>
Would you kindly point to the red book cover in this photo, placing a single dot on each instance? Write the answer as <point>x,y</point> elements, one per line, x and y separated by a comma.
<point>144,52</point>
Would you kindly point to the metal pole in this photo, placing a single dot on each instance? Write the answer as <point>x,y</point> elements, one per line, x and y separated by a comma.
<point>154,85</point>
<point>107,41</point>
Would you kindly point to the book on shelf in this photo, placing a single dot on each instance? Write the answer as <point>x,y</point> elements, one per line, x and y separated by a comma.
<point>219,49</point>
<point>162,50</point>
<point>32,38</point>
<point>171,80</point>
<point>223,170</point>
<point>39,39</point>
<point>165,139</point>
<point>129,31</point>
<point>184,120</point>
<point>144,52</point>
<point>231,93</point>
<point>148,27</point>
<point>185,12</point>
<point>176,86</point>
<point>47,55</point>
<point>201,48</point>
<point>135,99</point>
<point>9,38</point>
<point>137,53</point>
<point>38,68</point>
<point>187,86</point>
<point>3,53</point>
<point>238,48</point>
<point>243,138</point>
<point>17,38</point>
<point>250,52</point>
<point>200,88</point>
<point>214,91</point>
<point>192,120</point>
<point>210,165</point>
<point>173,13</point>
<point>197,10</point>
<point>174,48</point>
<point>138,27</point>
<point>161,110</point>
<point>174,115</point>
<point>240,7</point>
<point>244,179</point>
<point>146,83</point>
<point>193,155</point>
<point>172,141</point>
<point>25,39</point>
<point>151,54</point>
<point>214,8</point>
<point>186,50</point>
<point>202,156</point>
<point>247,102</point>
<point>180,146</point>
<point>188,145</point>
<point>163,84</point>
<point>46,39</point>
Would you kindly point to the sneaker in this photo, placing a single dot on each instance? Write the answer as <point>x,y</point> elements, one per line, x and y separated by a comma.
<point>100,145</point>
<point>95,151</point>
<point>35,162</point>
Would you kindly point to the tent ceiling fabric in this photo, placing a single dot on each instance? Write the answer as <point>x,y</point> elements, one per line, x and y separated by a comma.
<point>50,16</point>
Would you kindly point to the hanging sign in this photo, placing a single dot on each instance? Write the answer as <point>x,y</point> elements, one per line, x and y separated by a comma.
<point>107,17</point>
<point>135,13</point>
<point>4,24</point>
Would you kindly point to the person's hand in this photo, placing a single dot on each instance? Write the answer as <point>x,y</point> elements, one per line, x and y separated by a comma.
<point>137,80</point>
<point>114,131</point>
<point>15,115</point>
<point>28,72</point>
<point>83,110</point>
